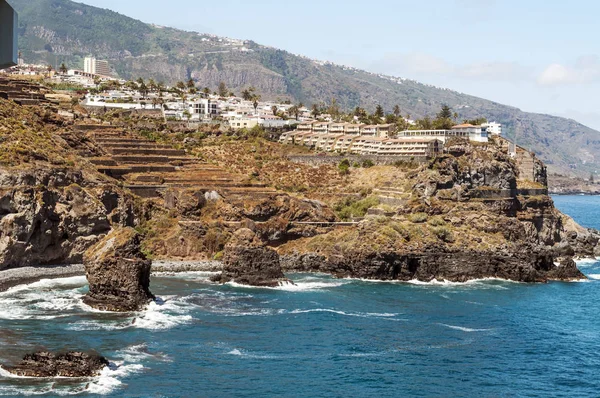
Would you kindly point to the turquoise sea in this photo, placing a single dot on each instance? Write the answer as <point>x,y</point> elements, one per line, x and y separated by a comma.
<point>323,337</point>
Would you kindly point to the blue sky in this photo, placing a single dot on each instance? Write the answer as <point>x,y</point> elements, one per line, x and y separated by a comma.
<point>541,56</point>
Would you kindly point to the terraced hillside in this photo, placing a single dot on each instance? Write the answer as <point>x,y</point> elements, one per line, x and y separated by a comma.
<point>148,168</point>
<point>62,30</point>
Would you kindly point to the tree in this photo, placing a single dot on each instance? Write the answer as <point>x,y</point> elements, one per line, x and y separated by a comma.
<point>591,178</point>
<point>152,85</point>
<point>379,112</point>
<point>140,81</point>
<point>397,112</point>
<point>223,91</point>
<point>391,119</point>
<point>274,109</point>
<point>143,89</point>
<point>180,86</point>
<point>445,113</point>
<point>191,84</point>
<point>160,87</point>
<point>187,115</point>
<point>425,123</point>
<point>295,111</point>
<point>206,91</point>
<point>63,68</point>
<point>315,111</point>
<point>248,93</point>
<point>255,99</point>
<point>334,109</point>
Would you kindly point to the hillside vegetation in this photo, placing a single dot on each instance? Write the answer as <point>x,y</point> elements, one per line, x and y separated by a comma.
<point>60,30</point>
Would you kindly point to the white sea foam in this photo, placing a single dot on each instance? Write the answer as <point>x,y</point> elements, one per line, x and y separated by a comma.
<point>297,286</point>
<point>246,354</point>
<point>388,316</point>
<point>594,276</point>
<point>160,315</point>
<point>188,275</point>
<point>464,329</point>
<point>586,262</point>
<point>39,303</point>
<point>110,378</point>
<point>105,383</point>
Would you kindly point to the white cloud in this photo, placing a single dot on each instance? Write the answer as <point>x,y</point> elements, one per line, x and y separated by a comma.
<point>586,69</point>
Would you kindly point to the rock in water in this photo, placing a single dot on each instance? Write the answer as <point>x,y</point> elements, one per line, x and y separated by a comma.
<point>71,364</point>
<point>247,260</point>
<point>118,273</point>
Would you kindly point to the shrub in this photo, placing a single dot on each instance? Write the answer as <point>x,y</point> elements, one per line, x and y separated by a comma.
<point>344,167</point>
<point>351,207</point>
<point>417,218</point>
<point>368,163</point>
<point>437,221</point>
<point>444,234</point>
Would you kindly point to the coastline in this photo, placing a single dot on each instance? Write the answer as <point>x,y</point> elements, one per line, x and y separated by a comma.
<point>26,275</point>
<point>23,276</point>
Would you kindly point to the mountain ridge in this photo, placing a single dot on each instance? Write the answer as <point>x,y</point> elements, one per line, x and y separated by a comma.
<point>61,30</point>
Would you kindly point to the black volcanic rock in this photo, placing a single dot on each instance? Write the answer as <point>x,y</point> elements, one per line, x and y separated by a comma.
<point>118,273</point>
<point>248,261</point>
<point>523,264</point>
<point>70,364</point>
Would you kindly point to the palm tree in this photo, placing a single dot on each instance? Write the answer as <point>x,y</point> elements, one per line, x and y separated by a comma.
<point>180,85</point>
<point>206,91</point>
<point>315,111</point>
<point>160,86</point>
<point>191,84</point>
<point>152,85</point>
<point>255,99</point>
<point>63,68</point>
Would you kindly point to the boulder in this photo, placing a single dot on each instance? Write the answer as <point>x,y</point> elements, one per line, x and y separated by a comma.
<point>566,271</point>
<point>248,261</point>
<point>118,273</point>
<point>70,364</point>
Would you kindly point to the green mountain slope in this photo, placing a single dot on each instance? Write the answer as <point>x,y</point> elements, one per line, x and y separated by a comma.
<point>54,31</point>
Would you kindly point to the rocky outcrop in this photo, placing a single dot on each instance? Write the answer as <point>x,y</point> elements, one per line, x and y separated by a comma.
<point>118,273</point>
<point>246,260</point>
<point>583,242</point>
<point>280,217</point>
<point>50,216</point>
<point>70,364</point>
<point>523,264</point>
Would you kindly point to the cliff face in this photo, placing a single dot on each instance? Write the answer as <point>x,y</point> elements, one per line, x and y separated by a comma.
<point>466,219</point>
<point>47,217</point>
<point>53,206</point>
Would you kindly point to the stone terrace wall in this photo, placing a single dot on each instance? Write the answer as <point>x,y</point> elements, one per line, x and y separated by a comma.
<point>378,160</point>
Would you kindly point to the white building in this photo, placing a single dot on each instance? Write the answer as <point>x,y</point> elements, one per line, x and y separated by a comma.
<point>96,66</point>
<point>203,108</point>
<point>493,128</point>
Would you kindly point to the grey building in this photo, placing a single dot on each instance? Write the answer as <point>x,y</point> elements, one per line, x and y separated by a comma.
<point>8,35</point>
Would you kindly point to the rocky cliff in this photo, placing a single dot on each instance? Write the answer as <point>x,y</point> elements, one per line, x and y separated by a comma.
<point>118,273</point>
<point>465,219</point>
<point>53,205</point>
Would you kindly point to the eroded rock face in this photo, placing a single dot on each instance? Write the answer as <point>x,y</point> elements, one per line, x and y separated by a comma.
<point>118,273</point>
<point>70,364</point>
<point>246,260</point>
<point>54,216</point>
<point>523,264</point>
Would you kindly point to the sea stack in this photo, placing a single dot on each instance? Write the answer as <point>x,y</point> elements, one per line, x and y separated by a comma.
<point>118,273</point>
<point>248,261</point>
<point>70,364</point>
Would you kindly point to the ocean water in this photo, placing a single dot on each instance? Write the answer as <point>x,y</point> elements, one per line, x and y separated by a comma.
<point>321,338</point>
